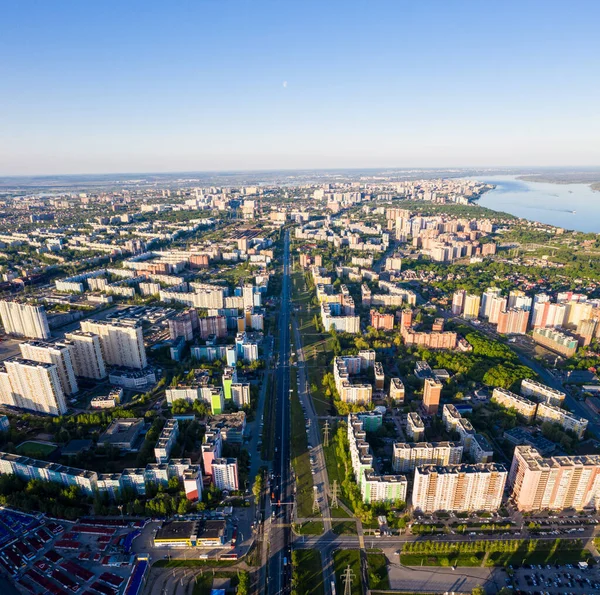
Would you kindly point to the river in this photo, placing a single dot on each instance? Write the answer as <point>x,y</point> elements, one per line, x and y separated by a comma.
<point>571,206</point>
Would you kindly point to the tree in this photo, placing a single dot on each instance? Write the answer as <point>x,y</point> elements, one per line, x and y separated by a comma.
<point>244,583</point>
<point>478,590</point>
<point>258,488</point>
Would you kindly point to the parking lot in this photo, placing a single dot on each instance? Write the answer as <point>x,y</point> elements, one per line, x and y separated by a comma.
<point>567,579</point>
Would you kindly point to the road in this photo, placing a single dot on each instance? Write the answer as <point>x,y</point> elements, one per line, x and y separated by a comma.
<point>320,477</point>
<point>279,577</point>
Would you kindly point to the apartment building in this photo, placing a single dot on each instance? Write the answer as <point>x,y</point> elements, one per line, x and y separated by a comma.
<point>432,392</point>
<point>513,321</point>
<point>471,307</point>
<point>458,302</point>
<point>384,488</point>
<point>211,448</point>
<point>24,320</point>
<point>31,385</point>
<point>166,440</point>
<point>349,390</point>
<point>556,341</point>
<point>562,417</point>
<point>409,455</point>
<point>184,325</point>
<point>554,483</point>
<point>225,474</point>
<point>510,400</point>
<point>433,340</point>
<point>87,358</point>
<point>240,394</point>
<point>459,488</point>
<point>383,322</point>
<point>415,428</point>
<point>541,393</point>
<point>58,354</point>
<point>122,342</point>
<point>373,487</point>
<point>397,391</point>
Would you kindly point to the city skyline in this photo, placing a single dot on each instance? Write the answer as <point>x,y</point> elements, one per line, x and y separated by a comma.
<point>203,88</point>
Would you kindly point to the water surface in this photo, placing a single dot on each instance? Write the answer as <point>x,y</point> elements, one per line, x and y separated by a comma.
<point>572,206</point>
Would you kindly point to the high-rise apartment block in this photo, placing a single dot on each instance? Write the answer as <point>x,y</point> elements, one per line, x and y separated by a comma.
<point>86,354</point>
<point>122,342</point>
<point>383,322</point>
<point>556,341</point>
<point>458,302</point>
<point>432,392</point>
<point>471,307</point>
<point>409,455</point>
<point>184,325</point>
<point>24,320</point>
<point>513,321</point>
<point>58,354</point>
<point>459,488</point>
<point>554,483</point>
<point>32,385</point>
<point>225,474</point>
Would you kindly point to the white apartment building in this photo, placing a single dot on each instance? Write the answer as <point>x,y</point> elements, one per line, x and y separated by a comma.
<point>459,488</point>
<point>240,394</point>
<point>122,342</point>
<point>33,386</point>
<point>510,400</point>
<point>166,440</point>
<point>541,393</point>
<point>409,455</point>
<point>225,474</point>
<point>415,428</point>
<point>562,417</point>
<point>58,354</point>
<point>554,483</point>
<point>24,320</point>
<point>87,358</point>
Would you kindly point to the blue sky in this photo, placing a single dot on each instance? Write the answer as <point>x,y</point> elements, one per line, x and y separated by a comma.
<point>140,86</point>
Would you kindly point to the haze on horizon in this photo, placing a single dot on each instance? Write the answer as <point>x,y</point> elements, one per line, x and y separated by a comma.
<point>200,86</point>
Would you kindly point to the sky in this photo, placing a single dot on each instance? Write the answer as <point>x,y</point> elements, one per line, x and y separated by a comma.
<point>155,86</point>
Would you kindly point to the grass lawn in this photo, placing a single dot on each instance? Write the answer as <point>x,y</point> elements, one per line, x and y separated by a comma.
<point>309,572</point>
<point>335,468</point>
<point>317,345</point>
<point>338,513</point>
<point>471,559</point>
<point>309,528</point>
<point>300,455</point>
<point>378,572</point>
<point>344,527</point>
<point>539,557</point>
<point>203,584</point>
<point>35,449</point>
<point>341,560</point>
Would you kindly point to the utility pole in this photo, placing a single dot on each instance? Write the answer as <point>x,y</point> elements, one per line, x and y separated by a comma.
<point>334,495</point>
<point>326,433</point>
<point>348,577</point>
<point>315,507</point>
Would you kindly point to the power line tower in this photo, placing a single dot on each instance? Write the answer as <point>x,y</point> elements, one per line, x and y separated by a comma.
<point>348,577</point>
<point>315,508</point>
<point>334,495</point>
<point>326,433</point>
